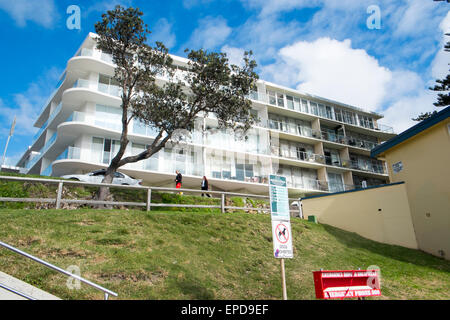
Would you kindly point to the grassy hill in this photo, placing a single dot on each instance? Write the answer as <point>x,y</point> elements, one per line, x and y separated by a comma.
<point>200,255</point>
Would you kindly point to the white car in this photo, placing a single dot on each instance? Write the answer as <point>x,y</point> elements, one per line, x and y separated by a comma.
<point>97,177</point>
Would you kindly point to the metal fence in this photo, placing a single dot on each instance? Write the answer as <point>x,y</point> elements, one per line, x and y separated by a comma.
<point>59,200</point>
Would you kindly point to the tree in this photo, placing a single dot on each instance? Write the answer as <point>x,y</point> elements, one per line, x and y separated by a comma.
<point>424,115</point>
<point>211,85</point>
<point>443,85</point>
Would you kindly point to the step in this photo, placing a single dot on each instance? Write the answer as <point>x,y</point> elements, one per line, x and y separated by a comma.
<point>21,287</point>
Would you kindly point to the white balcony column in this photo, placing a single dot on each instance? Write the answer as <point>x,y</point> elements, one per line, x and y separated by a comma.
<point>85,145</point>
<point>53,106</point>
<point>96,53</point>
<point>44,164</point>
<point>93,80</point>
<point>88,109</point>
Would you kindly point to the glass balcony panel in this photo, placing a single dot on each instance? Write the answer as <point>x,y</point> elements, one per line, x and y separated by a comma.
<point>86,52</point>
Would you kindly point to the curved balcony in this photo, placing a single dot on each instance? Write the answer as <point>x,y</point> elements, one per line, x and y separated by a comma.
<point>91,60</point>
<point>85,90</point>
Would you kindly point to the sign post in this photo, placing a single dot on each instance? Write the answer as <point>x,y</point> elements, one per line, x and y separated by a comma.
<point>281,224</point>
<point>11,132</point>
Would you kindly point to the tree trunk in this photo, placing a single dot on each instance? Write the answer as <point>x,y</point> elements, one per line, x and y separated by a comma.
<point>103,192</point>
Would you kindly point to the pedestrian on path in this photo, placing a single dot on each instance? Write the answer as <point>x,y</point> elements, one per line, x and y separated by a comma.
<point>178,180</point>
<point>205,186</point>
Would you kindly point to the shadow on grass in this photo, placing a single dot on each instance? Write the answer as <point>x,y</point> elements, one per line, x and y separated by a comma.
<point>192,287</point>
<point>416,257</point>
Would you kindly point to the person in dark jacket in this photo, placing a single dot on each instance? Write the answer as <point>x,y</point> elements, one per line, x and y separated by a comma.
<point>178,180</point>
<point>205,186</point>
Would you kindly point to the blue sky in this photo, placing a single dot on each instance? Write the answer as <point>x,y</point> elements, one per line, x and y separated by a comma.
<point>322,47</point>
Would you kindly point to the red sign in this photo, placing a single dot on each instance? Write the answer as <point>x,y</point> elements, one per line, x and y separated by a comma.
<point>346,284</point>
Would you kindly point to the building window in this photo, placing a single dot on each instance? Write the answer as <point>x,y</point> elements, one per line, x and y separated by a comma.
<point>108,117</point>
<point>271,95</point>
<point>290,102</point>
<point>335,182</point>
<point>103,150</point>
<point>314,108</point>
<point>280,100</point>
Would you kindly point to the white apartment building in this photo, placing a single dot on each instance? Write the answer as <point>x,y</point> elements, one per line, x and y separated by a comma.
<point>319,145</point>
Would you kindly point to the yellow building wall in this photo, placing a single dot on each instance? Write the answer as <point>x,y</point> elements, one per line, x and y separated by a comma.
<point>426,172</point>
<point>380,214</point>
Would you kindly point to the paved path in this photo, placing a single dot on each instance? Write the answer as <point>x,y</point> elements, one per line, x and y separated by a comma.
<point>22,287</point>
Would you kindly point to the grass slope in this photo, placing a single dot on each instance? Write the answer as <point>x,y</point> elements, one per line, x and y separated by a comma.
<point>196,255</point>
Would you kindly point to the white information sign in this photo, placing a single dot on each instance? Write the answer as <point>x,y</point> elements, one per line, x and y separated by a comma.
<point>279,199</point>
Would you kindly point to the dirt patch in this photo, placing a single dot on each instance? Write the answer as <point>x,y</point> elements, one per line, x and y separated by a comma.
<point>85,223</point>
<point>28,241</point>
<point>64,253</point>
<point>148,277</point>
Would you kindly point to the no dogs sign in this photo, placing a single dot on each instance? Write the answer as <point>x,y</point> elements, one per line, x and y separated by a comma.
<point>282,239</point>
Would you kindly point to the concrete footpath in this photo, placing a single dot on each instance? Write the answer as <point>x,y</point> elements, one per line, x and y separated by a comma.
<point>22,287</point>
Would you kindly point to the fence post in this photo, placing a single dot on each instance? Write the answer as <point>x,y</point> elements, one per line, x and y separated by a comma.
<point>222,203</point>
<point>59,195</point>
<point>149,198</point>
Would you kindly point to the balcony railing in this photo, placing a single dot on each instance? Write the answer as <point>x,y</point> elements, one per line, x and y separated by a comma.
<point>359,143</point>
<point>369,167</point>
<point>334,161</point>
<point>339,187</point>
<point>350,141</point>
<point>272,100</point>
<point>333,137</point>
<point>47,172</point>
<point>70,153</point>
<point>49,120</point>
<point>308,184</point>
<point>43,150</point>
<point>102,87</point>
<point>324,135</point>
<point>292,128</point>
<point>298,155</point>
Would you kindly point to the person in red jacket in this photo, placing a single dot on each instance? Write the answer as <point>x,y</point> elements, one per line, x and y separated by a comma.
<point>178,180</point>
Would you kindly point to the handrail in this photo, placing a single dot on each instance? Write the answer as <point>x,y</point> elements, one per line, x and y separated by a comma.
<point>106,292</point>
<point>17,292</point>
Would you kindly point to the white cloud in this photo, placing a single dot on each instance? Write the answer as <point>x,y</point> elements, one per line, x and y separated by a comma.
<point>162,31</point>
<point>413,18</point>
<point>332,69</point>
<point>210,33</point>
<point>28,104</point>
<point>235,55</point>
<point>440,64</point>
<point>399,114</point>
<point>264,36</point>
<point>42,12</point>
